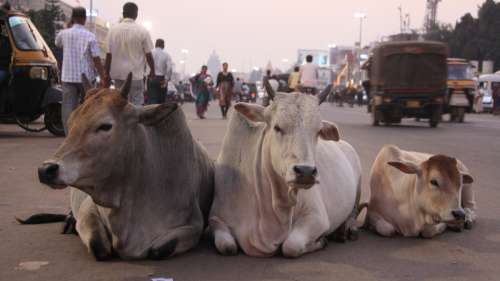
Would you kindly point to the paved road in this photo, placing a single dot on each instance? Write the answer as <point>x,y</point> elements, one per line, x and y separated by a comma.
<point>472,255</point>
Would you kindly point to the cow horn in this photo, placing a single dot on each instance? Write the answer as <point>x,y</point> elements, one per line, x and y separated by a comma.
<point>125,90</point>
<point>269,88</point>
<point>323,95</point>
<point>87,86</point>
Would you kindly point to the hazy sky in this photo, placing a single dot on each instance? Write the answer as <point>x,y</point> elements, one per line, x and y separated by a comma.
<point>251,32</point>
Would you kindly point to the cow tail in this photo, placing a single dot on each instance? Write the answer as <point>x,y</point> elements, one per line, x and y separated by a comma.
<point>42,219</point>
<point>361,207</point>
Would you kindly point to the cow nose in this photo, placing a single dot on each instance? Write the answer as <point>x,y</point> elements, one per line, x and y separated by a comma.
<point>458,214</point>
<point>304,171</point>
<point>48,172</point>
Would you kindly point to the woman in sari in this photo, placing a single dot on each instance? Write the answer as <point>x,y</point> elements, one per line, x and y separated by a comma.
<point>201,83</point>
<point>225,85</point>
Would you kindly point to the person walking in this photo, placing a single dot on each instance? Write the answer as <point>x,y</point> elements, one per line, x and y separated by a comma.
<point>158,86</point>
<point>201,84</point>
<point>129,48</point>
<point>80,56</point>
<point>237,90</point>
<point>496,98</point>
<point>309,74</point>
<point>294,79</point>
<point>224,86</point>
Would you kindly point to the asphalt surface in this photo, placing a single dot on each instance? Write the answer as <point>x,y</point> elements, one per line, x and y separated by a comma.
<point>41,253</point>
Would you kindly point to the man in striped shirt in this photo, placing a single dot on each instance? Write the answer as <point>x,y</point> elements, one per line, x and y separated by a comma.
<point>80,56</point>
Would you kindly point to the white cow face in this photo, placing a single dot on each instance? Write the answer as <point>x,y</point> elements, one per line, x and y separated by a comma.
<point>293,128</point>
<point>438,188</point>
<point>101,146</point>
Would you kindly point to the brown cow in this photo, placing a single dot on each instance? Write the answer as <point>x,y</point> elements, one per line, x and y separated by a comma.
<point>416,194</point>
<point>142,184</point>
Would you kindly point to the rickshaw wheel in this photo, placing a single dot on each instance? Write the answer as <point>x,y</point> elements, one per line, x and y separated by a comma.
<point>53,120</point>
<point>26,124</point>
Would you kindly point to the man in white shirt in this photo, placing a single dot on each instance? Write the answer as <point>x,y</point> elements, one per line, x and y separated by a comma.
<point>309,76</point>
<point>158,86</point>
<point>129,48</point>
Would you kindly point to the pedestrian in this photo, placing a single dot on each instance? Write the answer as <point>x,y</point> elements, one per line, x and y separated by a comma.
<point>496,98</point>
<point>201,84</point>
<point>158,86</point>
<point>478,100</point>
<point>238,88</point>
<point>80,56</point>
<point>309,74</point>
<point>129,48</point>
<point>224,86</point>
<point>294,79</point>
<point>5,54</point>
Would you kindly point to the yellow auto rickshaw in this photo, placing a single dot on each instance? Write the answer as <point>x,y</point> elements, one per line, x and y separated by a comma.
<point>29,76</point>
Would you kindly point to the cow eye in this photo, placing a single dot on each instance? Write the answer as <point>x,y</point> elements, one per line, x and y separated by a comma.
<point>277,129</point>
<point>104,128</point>
<point>435,183</point>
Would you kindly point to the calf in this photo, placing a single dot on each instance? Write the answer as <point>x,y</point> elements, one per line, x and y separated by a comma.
<point>418,194</point>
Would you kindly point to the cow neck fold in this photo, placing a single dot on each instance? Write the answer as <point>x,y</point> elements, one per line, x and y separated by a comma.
<point>154,188</point>
<point>274,211</point>
<point>410,222</point>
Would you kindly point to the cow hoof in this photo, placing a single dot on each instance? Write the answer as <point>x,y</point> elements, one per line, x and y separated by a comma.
<point>70,225</point>
<point>99,250</point>
<point>468,225</point>
<point>228,251</point>
<point>353,235</point>
<point>164,251</point>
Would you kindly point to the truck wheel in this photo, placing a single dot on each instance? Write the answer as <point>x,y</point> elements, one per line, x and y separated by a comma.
<point>375,117</point>
<point>433,123</point>
<point>53,120</point>
<point>461,115</point>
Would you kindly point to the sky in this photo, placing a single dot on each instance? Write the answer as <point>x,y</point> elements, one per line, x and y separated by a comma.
<point>251,33</point>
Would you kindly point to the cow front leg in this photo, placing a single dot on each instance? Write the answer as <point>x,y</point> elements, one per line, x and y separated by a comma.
<point>432,230</point>
<point>177,241</point>
<point>93,232</point>
<point>223,239</point>
<point>306,237</point>
<point>380,225</point>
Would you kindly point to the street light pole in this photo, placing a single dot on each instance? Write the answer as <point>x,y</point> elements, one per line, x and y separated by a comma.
<point>361,17</point>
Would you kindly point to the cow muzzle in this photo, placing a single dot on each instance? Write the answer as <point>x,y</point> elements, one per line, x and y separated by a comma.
<point>48,174</point>
<point>305,176</point>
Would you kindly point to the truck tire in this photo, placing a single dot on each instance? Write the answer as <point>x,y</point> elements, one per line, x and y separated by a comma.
<point>375,117</point>
<point>53,120</point>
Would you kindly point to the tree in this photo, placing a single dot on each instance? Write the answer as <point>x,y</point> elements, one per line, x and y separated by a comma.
<point>48,21</point>
<point>473,38</point>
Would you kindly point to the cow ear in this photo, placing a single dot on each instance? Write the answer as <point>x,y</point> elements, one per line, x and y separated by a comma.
<point>252,112</point>
<point>329,132</point>
<point>467,179</point>
<point>153,114</point>
<point>406,167</point>
<point>464,171</point>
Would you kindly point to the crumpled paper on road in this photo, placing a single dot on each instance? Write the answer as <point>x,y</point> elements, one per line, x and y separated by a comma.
<point>31,265</point>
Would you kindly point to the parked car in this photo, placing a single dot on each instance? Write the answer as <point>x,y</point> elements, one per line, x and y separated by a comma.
<point>487,83</point>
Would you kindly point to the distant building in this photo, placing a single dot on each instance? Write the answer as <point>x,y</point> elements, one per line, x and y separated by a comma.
<point>214,64</point>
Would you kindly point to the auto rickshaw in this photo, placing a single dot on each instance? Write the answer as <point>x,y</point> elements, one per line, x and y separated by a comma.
<point>407,79</point>
<point>461,89</point>
<point>29,76</point>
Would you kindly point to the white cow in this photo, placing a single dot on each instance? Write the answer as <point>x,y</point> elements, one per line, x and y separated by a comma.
<point>419,194</point>
<point>283,179</point>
